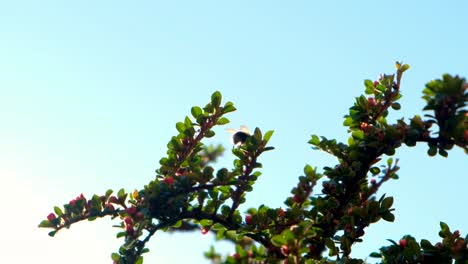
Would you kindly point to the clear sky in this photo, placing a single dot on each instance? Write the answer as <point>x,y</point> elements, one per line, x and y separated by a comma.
<point>90,92</point>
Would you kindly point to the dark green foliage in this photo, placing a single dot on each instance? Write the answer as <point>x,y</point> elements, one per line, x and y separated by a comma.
<point>319,224</point>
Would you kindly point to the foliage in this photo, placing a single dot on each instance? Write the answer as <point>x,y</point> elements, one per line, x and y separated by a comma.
<point>188,193</point>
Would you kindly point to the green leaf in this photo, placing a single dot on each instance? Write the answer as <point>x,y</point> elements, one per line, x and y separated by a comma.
<point>109,192</point>
<point>58,211</point>
<point>268,135</point>
<point>375,170</point>
<point>216,99</point>
<point>257,135</point>
<point>229,107</point>
<point>222,121</point>
<point>46,223</point>
<point>121,193</point>
<point>209,133</point>
<point>209,108</point>
<point>139,260</point>
<point>444,230</point>
<point>180,127</point>
<point>178,224</point>
<point>121,234</point>
<point>432,151</point>
<point>315,140</point>
<point>369,86</point>
<point>389,162</point>
<point>388,217</point>
<point>375,255</point>
<point>206,222</point>
<point>425,244</point>
<point>348,121</point>
<point>443,153</point>
<point>404,67</point>
<point>309,171</point>
<point>196,111</point>
<point>52,233</point>
<point>387,202</point>
<point>268,148</point>
<point>358,134</point>
<point>396,106</point>
<point>278,240</point>
<point>115,257</point>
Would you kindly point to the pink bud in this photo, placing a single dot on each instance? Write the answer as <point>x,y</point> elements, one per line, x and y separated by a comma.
<point>169,180</point>
<point>128,221</point>
<point>403,243</point>
<point>281,212</point>
<point>131,210</point>
<point>285,250</point>
<point>204,230</point>
<point>113,199</point>
<point>248,219</point>
<point>51,217</point>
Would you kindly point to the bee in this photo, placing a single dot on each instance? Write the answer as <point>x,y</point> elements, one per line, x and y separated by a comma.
<point>239,136</point>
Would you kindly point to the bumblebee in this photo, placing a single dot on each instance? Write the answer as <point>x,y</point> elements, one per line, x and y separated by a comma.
<point>239,136</point>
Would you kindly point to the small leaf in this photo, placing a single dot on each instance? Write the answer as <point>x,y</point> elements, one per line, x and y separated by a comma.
<point>278,240</point>
<point>209,108</point>
<point>396,106</point>
<point>315,140</point>
<point>139,260</point>
<point>229,107</point>
<point>358,134</point>
<point>121,234</point>
<point>58,211</point>
<point>425,244</point>
<point>46,223</point>
<point>180,127</point>
<point>209,133</point>
<point>216,99</point>
<point>443,153</point>
<point>206,222</point>
<point>388,217</point>
<point>387,202</point>
<point>309,171</point>
<point>196,111</point>
<point>404,67</point>
<point>375,170</point>
<point>52,233</point>
<point>109,192</point>
<point>268,135</point>
<point>222,121</point>
<point>268,148</point>
<point>389,162</point>
<point>115,257</point>
<point>369,86</point>
<point>432,151</point>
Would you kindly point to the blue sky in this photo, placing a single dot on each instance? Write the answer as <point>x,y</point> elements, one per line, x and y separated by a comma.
<point>90,93</point>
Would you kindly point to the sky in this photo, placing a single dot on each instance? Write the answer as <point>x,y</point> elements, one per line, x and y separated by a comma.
<point>90,92</point>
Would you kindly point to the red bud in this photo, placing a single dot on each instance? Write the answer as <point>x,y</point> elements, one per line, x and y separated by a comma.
<point>204,230</point>
<point>131,211</point>
<point>285,250</point>
<point>281,212</point>
<point>403,243</point>
<point>248,219</point>
<point>51,217</point>
<point>169,180</point>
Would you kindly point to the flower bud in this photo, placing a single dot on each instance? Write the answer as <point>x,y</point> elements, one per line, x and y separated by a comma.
<point>403,243</point>
<point>51,217</point>
<point>248,219</point>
